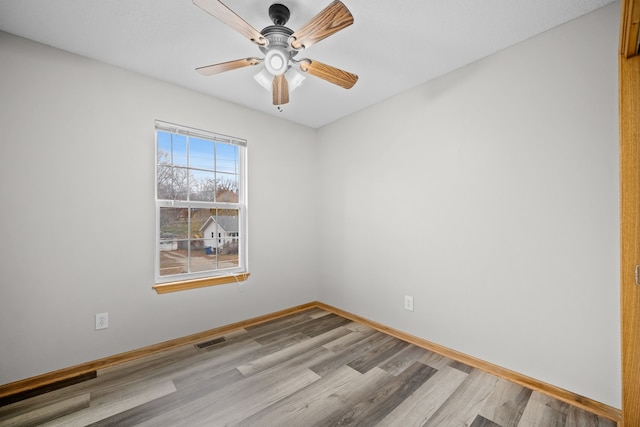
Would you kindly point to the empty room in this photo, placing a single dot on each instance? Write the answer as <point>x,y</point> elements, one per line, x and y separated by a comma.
<point>316,213</point>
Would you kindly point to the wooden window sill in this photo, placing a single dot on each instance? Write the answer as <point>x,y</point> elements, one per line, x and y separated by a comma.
<point>163,288</point>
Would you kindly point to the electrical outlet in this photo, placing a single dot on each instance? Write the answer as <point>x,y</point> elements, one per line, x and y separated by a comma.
<point>408,302</point>
<point>102,321</point>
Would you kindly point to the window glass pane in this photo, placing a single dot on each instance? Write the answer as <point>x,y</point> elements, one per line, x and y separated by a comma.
<point>164,146</point>
<point>228,254</point>
<point>201,154</point>
<point>215,227</point>
<point>202,223</point>
<point>173,257</point>
<point>181,178</point>
<point>227,159</point>
<point>203,258</point>
<point>227,220</point>
<point>174,223</point>
<point>179,150</point>
<point>203,186</point>
<point>165,180</point>
<point>173,182</point>
<point>227,188</point>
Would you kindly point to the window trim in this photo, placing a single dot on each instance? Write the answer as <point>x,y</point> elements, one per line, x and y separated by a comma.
<point>185,281</point>
<point>164,288</point>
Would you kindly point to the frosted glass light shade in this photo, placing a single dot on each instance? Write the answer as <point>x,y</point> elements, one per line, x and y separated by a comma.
<point>265,79</point>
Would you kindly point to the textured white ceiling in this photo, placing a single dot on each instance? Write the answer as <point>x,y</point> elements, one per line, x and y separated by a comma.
<point>392,45</point>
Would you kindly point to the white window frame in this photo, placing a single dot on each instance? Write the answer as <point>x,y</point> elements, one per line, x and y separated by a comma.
<point>242,269</point>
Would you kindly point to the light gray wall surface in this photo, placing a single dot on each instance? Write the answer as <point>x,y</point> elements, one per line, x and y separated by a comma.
<point>78,211</point>
<point>490,195</point>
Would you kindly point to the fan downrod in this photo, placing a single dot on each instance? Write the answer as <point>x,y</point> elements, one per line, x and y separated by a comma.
<point>279,13</point>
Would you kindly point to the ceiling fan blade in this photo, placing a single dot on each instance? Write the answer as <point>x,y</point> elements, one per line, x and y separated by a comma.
<point>326,72</point>
<point>220,11</point>
<point>280,90</point>
<point>210,70</point>
<point>332,19</point>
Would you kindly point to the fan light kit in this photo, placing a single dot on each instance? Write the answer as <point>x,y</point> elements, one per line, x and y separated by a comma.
<point>276,61</point>
<point>281,73</point>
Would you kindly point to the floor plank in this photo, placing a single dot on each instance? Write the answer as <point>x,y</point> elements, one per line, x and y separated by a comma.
<point>403,359</point>
<point>38,415</point>
<point>380,402</point>
<point>113,403</point>
<point>465,403</point>
<point>506,404</point>
<point>424,402</point>
<point>287,353</point>
<point>343,343</point>
<point>542,410</point>
<point>352,353</point>
<point>316,402</point>
<point>155,409</point>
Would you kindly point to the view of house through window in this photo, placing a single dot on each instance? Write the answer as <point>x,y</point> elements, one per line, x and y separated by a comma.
<point>200,203</point>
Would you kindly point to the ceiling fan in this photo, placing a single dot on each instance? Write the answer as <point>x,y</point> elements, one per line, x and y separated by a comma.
<point>280,45</point>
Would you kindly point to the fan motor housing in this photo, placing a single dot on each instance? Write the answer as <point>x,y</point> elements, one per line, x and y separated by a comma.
<point>277,34</point>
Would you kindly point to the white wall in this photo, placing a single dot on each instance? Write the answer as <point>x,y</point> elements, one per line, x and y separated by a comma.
<point>77,211</point>
<point>491,196</point>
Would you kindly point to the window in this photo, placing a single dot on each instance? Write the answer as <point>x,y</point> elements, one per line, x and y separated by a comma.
<point>201,212</point>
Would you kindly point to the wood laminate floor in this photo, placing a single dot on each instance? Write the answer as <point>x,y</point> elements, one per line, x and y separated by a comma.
<point>308,369</point>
